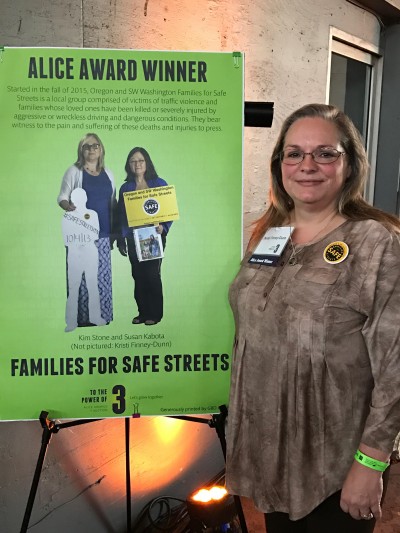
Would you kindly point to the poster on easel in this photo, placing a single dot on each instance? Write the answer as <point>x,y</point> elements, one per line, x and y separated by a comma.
<point>88,329</point>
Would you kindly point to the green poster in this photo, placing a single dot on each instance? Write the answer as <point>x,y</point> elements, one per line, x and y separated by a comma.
<point>99,318</point>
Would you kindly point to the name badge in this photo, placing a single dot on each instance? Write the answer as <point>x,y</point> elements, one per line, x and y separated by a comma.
<point>270,249</point>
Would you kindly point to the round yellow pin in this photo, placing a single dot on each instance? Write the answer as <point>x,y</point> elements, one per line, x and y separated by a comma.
<point>336,252</point>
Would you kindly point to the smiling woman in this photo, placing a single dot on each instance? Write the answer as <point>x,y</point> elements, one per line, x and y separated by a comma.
<point>315,393</point>
<point>314,167</point>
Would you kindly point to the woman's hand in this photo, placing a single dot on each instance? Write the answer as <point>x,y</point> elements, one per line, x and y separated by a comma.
<point>362,492</point>
<point>159,229</point>
<point>362,489</point>
<point>67,206</point>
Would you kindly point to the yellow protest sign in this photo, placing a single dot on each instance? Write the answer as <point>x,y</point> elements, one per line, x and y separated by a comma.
<point>150,206</point>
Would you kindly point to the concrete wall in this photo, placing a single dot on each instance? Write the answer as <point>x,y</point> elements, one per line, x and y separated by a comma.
<point>286,47</point>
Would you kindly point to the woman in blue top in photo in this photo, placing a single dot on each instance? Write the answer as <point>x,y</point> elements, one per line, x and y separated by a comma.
<point>90,174</point>
<point>141,174</point>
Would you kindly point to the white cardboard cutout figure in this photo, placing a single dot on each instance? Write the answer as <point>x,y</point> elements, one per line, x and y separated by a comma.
<point>81,231</point>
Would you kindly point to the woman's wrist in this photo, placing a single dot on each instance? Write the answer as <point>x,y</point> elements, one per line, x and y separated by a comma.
<point>370,462</point>
<point>372,458</point>
<point>375,453</point>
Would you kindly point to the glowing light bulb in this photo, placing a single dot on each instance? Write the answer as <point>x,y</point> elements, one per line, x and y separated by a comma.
<point>214,494</point>
<point>217,493</point>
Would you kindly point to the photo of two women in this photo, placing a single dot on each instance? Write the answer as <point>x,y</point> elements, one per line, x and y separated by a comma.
<point>90,174</point>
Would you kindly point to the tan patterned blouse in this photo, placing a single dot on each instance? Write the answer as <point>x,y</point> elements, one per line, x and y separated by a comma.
<point>316,368</point>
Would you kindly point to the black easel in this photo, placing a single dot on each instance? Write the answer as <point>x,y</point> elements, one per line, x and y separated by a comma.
<point>49,428</point>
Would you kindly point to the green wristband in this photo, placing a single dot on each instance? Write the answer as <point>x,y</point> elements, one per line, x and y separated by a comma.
<point>370,462</point>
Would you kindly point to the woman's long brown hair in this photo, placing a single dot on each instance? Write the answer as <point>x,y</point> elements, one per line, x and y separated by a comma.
<point>351,203</point>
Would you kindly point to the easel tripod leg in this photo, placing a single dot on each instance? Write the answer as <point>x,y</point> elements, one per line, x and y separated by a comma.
<point>128,477</point>
<point>46,436</point>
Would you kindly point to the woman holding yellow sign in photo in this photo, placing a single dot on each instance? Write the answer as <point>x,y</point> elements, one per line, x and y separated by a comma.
<point>141,174</point>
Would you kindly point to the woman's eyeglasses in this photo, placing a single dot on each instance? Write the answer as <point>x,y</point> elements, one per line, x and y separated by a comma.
<point>88,147</point>
<point>322,156</point>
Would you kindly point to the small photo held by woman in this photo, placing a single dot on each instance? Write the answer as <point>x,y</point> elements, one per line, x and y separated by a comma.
<point>148,290</point>
<point>314,411</point>
<point>90,174</point>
